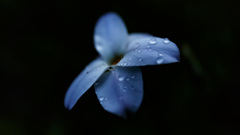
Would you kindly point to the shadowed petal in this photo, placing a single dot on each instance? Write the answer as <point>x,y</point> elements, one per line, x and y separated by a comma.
<point>84,81</point>
<point>110,36</point>
<point>120,90</point>
<point>150,51</point>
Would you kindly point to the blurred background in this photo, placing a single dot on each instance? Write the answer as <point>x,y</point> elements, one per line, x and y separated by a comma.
<point>45,44</point>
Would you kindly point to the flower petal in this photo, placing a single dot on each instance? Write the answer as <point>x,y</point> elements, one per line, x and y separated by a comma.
<point>110,36</point>
<point>134,37</point>
<point>137,36</point>
<point>120,90</point>
<point>84,81</point>
<point>150,51</point>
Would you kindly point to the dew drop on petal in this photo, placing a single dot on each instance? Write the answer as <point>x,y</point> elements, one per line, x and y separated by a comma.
<point>153,41</point>
<point>139,51</point>
<point>125,89</point>
<point>120,78</point>
<point>166,41</point>
<point>130,58</point>
<point>140,59</point>
<point>148,46</point>
<point>160,54</point>
<point>101,98</point>
<point>159,60</point>
<point>132,76</point>
<point>127,79</point>
<point>137,45</point>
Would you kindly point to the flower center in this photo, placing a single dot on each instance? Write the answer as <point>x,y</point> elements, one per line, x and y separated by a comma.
<point>116,60</point>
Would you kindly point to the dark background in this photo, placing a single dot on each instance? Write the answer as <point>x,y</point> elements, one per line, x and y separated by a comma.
<point>45,44</point>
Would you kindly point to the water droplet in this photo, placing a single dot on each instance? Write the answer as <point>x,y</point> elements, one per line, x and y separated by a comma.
<point>127,79</point>
<point>130,58</point>
<point>120,78</point>
<point>166,41</point>
<point>132,76</point>
<point>148,46</point>
<point>153,41</point>
<point>139,51</point>
<point>105,98</point>
<point>137,45</point>
<point>125,89</point>
<point>140,59</point>
<point>159,60</point>
<point>149,50</point>
<point>160,54</point>
<point>101,98</point>
<point>124,64</point>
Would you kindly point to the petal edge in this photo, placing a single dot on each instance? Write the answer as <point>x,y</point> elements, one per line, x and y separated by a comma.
<point>84,81</point>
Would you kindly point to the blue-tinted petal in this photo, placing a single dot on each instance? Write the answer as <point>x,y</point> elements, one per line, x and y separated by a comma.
<point>84,81</point>
<point>120,90</point>
<point>110,36</point>
<point>150,51</point>
<point>136,36</point>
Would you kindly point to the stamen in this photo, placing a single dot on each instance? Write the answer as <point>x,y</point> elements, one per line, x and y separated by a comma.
<point>116,60</point>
